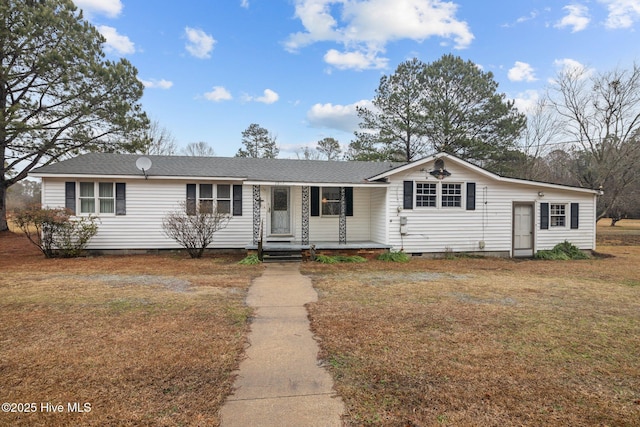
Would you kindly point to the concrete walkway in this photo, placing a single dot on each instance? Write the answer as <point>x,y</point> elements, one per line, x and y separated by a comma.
<point>280,382</point>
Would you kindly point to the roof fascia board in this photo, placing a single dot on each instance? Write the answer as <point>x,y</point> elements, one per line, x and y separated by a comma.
<point>149,177</point>
<point>316,184</point>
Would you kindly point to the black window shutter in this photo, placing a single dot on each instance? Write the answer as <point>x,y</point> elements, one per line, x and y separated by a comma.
<point>191,199</point>
<point>544,216</point>
<point>574,215</point>
<point>121,198</point>
<point>408,195</point>
<point>315,201</point>
<point>237,200</point>
<point>348,194</point>
<point>471,196</point>
<point>70,196</point>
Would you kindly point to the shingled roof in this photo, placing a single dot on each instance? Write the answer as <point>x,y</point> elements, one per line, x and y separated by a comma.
<point>268,170</point>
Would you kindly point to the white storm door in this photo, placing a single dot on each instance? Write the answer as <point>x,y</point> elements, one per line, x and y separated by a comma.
<point>280,211</point>
<point>523,230</point>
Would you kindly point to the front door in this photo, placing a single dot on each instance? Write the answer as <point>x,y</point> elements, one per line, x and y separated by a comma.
<point>280,211</point>
<point>523,230</point>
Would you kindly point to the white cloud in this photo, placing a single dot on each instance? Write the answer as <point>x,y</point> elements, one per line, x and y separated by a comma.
<point>340,117</point>
<point>110,8</point>
<point>521,71</point>
<point>116,42</point>
<point>567,65</point>
<point>218,94</point>
<point>268,97</point>
<point>244,4</point>
<point>157,84</point>
<point>200,44</point>
<point>355,60</point>
<point>526,101</point>
<point>364,27</point>
<point>622,13</point>
<point>577,18</point>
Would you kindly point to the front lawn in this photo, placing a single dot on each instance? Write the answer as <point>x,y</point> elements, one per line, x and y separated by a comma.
<point>483,342</point>
<point>144,340</point>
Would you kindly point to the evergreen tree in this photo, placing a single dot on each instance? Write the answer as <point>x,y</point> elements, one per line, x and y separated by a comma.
<point>258,143</point>
<point>58,95</point>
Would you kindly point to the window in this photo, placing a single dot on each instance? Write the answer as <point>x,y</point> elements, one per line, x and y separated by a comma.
<point>451,195</point>
<point>103,203</point>
<point>224,199</point>
<point>87,197</point>
<point>106,197</point>
<point>206,198</point>
<point>330,201</point>
<point>557,215</point>
<point>426,194</point>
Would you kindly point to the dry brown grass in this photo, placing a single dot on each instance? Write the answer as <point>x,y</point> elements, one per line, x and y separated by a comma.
<point>146,340</point>
<point>483,342</point>
<point>626,232</point>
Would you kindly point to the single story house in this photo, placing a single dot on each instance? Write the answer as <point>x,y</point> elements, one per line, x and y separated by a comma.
<point>435,205</point>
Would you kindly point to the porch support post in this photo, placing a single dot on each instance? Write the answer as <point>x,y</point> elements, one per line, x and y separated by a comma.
<point>256,214</point>
<point>305,215</point>
<point>343,216</point>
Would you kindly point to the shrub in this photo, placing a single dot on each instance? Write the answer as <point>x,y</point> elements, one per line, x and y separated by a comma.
<point>250,260</point>
<point>394,257</point>
<point>325,259</point>
<point>55,232</point>
<point>562,252</point>
<point>193,227</point>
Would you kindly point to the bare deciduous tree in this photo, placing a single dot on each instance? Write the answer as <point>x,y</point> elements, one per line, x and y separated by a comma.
<point>159,141</point>
<point>193,227</point>
<point>198,149</point>
<point>600,113</point>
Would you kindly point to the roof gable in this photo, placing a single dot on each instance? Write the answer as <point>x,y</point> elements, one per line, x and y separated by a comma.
<point>450,158</point>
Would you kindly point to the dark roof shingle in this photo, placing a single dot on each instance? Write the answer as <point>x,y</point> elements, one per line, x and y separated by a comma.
<point>270,170</point>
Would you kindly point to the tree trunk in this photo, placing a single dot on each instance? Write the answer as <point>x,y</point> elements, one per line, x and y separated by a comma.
<point>3,207</point>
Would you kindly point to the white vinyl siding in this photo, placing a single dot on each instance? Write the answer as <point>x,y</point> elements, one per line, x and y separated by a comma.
<point>440,230</point>
<point>148,201</point>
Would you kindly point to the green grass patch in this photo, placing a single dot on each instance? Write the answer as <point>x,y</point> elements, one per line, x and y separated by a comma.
<point>394,257</point>
<point>250,260</point>
<point>562,252</point>
<point>326,259</point>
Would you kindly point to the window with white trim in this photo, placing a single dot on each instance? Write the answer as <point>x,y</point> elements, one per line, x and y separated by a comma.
<point>205,198</point>
<point>451,195</point>
<point>97,197</point>
<point>330,201</point>
<point>426,194</point>
<point>557,215</point>
<point>223,200</point>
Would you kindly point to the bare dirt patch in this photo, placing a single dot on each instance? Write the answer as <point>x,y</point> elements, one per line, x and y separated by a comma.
<point>146,340</point>
<point>483,341</point>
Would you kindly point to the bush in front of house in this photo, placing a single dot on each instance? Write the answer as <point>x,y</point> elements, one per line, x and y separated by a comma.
<point>326,259</point>
<point>562,252</point>
<point>193,226</point>
<point>250,260</point>
<point>394,257</point>
<point>54,231</point>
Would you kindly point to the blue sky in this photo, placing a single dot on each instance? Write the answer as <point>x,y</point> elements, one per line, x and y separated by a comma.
<point>299,67</point>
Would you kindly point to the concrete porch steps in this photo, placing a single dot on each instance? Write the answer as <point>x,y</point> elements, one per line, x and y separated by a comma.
<point>281,255</point>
